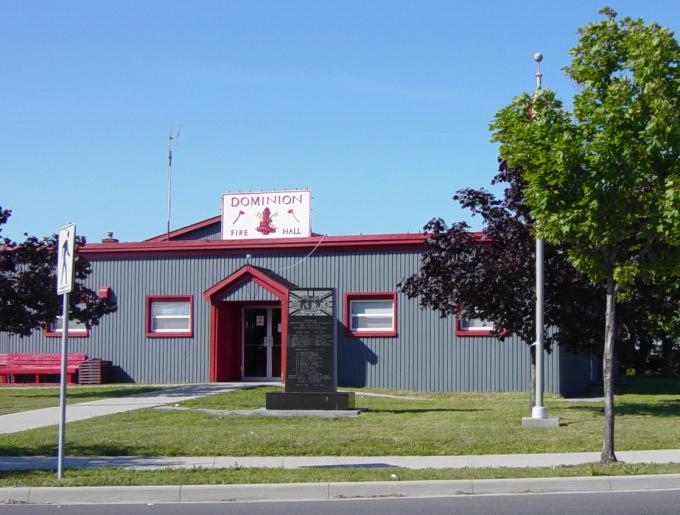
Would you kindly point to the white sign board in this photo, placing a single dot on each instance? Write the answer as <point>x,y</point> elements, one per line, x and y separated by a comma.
<point>266,215</point>
<point>66,246</point>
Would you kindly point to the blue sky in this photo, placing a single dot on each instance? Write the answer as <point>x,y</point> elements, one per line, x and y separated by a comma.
<point>381,108</point>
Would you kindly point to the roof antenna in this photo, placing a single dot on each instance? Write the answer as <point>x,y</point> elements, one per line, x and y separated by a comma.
<point>171,138</point>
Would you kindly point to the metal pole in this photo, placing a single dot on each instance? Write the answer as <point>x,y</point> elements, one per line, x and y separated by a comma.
<point>62,386</point>
<point>539,411</point>
<point>171,138</point>
<point>167,227</point>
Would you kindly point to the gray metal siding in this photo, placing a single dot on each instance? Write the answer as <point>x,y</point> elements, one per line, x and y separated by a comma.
<point>425,355</point>
<point>249,291</point>
<point>575,372</point>
<point>210,232</point>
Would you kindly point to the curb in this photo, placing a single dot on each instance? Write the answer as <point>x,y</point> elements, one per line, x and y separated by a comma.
<point>326,491</point>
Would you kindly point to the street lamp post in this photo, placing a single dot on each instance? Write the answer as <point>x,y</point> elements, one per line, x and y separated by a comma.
<point>539,414</point>
<point>538,411</point>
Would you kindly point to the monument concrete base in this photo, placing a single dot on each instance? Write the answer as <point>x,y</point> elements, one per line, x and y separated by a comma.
<point>310,401</point>
<point>541,422</point>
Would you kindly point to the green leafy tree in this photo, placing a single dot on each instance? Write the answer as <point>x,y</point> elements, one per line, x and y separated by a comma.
<point>648,316</point>
<point>604,179</point>
<point>491,275</point>
<point>28,299</point>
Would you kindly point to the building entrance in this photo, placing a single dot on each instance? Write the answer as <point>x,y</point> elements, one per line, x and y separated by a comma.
<point>262,343</point>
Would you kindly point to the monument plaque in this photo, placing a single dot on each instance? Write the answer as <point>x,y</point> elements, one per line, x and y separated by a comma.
<point>311,380</point>
<point>310,358</point>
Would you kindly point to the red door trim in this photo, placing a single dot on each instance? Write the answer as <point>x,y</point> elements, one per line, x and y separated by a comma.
<point>212,294</point>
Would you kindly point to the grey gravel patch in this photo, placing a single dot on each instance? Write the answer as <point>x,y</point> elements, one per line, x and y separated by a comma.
<point>264,412</point>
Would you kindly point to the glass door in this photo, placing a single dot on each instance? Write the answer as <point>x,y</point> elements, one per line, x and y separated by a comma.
<point>262,343</point>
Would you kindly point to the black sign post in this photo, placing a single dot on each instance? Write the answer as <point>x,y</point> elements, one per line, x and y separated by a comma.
<point>311,372</point>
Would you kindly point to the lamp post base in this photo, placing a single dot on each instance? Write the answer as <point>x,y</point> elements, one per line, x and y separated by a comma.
<point>539,412</point>
<point>541,422</point>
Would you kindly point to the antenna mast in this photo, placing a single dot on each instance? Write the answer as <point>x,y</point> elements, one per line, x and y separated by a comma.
<point>171,138</point>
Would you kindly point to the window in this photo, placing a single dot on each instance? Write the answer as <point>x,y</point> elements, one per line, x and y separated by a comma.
<point>169,316</point>
<point>75,328</point>
<point>473,327</point>
<point>371,314</point>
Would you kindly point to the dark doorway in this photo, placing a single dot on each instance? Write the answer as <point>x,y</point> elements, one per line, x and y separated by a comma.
<point>262,343</point>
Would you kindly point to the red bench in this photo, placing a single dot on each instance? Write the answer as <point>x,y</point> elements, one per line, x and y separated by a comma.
<point>3,365</point>
<point>39,365</point>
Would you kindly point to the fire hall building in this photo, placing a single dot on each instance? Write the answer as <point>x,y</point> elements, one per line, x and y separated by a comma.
<point>208,302</point>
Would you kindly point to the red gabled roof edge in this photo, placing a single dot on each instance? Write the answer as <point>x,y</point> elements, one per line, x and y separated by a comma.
<point>333,243</point>
<point>242,274</point>
<point>187,228</point>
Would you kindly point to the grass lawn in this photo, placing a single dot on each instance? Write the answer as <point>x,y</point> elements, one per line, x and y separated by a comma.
<point>434,424</point>
<point>121,477</point>
<point>14,399</point>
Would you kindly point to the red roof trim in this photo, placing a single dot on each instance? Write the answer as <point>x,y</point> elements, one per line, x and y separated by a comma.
<point>187,228</point>
<point>353,243</point>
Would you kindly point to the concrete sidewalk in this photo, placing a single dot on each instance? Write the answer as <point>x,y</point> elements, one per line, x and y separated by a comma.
<point>298,462</point>
<point>330,491</point>
<point>335,490</point>
<point>24,420</point>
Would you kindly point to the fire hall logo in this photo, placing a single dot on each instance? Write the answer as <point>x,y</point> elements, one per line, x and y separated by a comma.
<point>266,223</point>
<point>281,214</point>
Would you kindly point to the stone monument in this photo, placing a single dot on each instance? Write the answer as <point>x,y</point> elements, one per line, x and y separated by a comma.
<point>311,372</point>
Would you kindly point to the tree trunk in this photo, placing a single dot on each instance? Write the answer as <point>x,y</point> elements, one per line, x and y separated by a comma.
<point>532,378</point>
<point>608,455</point>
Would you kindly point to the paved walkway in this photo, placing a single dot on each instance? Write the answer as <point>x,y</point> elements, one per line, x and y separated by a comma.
<point>24,420</point>
<point>297,462</point>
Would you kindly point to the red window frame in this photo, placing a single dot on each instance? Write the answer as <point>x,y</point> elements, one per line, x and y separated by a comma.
<point>384,295</point>
<point>78,333</point>
<point>471,332</point>
<point>150,299</point>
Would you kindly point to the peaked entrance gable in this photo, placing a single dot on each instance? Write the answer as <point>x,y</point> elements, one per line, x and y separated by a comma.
<point>261,276</point>
<point>226,322</point>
